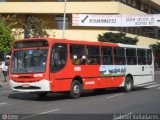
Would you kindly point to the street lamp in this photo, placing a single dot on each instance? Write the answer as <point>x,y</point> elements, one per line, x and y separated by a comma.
<point>64,20</point>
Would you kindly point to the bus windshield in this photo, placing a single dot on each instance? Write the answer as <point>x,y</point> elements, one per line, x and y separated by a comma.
<point>29,61</point>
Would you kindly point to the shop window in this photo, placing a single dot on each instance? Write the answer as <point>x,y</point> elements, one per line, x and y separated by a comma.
<point>124,1</point>
<point>129,2</point>
<point>62,0</point>
<point>59,22</point>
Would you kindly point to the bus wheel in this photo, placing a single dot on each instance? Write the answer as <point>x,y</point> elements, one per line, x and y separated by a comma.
<point>128,86</point>
<point>41,94</point>
<point>76,89</point>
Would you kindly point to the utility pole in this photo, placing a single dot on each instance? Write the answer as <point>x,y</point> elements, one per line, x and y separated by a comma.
<point>64,20</point>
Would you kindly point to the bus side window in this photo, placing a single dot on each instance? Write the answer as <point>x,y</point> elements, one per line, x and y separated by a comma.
<point>58,57</point>
<point>149,57</point>
<point>141,53</point>
<point>77,54</point>
<point>119,56</point>
<point>107,57</point>
<point>93,55</point>
<point>131,56</point>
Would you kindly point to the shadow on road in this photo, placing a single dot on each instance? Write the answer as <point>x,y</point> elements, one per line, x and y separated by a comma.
<point>63,96</point>
<point>34,97</point>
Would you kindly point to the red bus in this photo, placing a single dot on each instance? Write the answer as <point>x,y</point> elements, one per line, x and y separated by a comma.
<point>43,65</point>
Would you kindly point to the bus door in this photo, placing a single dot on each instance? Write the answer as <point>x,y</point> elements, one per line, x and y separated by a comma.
<point>58,75</point>
<point>145,64</point>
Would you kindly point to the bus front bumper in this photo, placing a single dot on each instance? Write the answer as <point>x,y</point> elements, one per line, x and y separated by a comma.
<point>40,86</point>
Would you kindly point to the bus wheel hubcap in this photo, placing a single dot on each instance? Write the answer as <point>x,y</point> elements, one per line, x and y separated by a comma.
<point>128,85</point>
<point>76,89</point>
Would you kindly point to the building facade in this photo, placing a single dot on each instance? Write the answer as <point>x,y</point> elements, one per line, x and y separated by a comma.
<point>52,12</point>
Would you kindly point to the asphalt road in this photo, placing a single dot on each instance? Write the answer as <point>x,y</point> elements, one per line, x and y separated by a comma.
<point>142,102</point>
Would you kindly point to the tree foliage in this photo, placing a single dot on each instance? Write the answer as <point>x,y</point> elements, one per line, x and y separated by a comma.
<point>6,36</point>
<point>156,51</point>
<point>35,27</point>
<point>117,38</point>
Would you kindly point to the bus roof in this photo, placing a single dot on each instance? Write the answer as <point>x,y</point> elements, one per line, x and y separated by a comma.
<point>132,46</point>
<point>54,40</point>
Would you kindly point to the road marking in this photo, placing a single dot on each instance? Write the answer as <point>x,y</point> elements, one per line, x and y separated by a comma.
<point>145,84</point>
<point>121,116</point>
<point>26,117</point>
<point>152,86</point>
<point>114,96</point>
<point>3,103</point>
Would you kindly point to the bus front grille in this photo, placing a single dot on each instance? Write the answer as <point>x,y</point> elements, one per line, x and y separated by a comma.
<point>27,88</point>
<point>26,81</point>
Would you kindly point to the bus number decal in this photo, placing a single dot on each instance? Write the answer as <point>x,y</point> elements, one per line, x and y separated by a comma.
<point>38,75</point>
<point>77,68</point>
<point>90,83</point>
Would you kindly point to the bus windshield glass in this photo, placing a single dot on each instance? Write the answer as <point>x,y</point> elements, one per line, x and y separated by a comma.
<point>29,61</point>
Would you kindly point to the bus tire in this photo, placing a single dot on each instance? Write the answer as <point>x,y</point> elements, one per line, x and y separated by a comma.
<point>128,85</point>
<point>76,89</point>
<point>42,94</point>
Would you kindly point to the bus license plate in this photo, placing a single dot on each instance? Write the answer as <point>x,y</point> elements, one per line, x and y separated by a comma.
<point>25,85</point>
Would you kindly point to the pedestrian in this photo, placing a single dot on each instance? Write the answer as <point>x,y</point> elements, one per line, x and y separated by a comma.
<point>4,69</point>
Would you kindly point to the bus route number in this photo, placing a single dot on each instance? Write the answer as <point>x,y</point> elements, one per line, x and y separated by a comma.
<point>77,68</point>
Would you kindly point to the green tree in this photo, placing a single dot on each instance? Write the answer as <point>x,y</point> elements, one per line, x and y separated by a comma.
<point>6,36</point>
<point>35,27</point>
<point>117,38</point>
<point>156,51</point>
